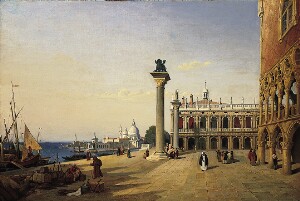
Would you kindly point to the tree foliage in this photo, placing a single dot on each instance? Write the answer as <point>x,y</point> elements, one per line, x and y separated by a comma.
<point>150,135</point>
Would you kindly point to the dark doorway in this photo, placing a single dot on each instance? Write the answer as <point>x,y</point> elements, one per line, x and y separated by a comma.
<point>247,143</point>
<point>296,146</point>
<point>191,143</point>
<point>213,143</point>
<point>236,143</point>
<point>224,143</point>
<point>180,142</point>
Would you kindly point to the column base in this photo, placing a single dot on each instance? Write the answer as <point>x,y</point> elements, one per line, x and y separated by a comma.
<point>157,156</point>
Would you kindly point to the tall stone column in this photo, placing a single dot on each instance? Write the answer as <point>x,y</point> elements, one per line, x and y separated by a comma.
<point>286,157</point>
<point>261,152</point>
<point>161,78</point>
<point>176,104</point>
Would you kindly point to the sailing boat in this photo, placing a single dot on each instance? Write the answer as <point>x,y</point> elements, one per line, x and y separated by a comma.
<point>15,157</point>
<point>30,144</point>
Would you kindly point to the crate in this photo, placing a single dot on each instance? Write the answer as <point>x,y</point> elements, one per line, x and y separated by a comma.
<point>42,177</point>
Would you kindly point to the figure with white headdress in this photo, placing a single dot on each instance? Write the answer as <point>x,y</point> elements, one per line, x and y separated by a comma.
<point>203,161</point>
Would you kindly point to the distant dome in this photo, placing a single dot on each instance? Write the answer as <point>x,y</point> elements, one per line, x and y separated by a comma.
<point>125,132</point>
<point>205,90</point>
<point>134,132</point>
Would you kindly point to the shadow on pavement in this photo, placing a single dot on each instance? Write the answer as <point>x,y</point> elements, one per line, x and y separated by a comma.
<point>212,167</point>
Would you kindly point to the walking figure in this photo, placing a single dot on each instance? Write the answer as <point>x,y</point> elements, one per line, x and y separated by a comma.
<point>203,161</point>
<point>275,160</point>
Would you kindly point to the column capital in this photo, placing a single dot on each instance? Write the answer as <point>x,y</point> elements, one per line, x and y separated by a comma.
<point>176,104</point>
<point>271,144</point>
<point>286,145</point>
<point>161,78</point>
<point>260,143</point>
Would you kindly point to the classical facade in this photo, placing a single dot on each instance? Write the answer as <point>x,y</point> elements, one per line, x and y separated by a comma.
<point>208,125</point>
<point>279,126</point>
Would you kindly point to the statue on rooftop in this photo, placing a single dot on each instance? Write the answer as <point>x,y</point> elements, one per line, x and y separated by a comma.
<point>160,66</point>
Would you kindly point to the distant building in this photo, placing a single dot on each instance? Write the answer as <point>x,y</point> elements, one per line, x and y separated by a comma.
<point>279,126</point>
<point>205,124</point>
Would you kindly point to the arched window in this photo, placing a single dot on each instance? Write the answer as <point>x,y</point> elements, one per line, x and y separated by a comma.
<point>287,16</point>
<point>180,123</point>
<point>236,122</point>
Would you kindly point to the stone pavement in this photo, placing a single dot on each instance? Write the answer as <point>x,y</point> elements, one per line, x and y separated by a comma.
<point>182,179</point>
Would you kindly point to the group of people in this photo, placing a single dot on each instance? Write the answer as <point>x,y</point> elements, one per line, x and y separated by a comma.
<point>146,154</point>
<point>120,151</point>
<point>225,157</point>
<point>252,157</point>
<point>172,152</point>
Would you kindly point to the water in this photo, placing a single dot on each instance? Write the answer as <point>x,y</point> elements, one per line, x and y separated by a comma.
<point>57,150</point>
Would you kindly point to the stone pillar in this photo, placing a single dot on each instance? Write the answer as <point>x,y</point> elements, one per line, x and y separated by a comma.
<point>161,78</point>
<point>176,104</point>
<point>266,109</point>
<point>298,98</point>
<point>271,150</point>
<point>261,152</point>
<point>219,143</point>
<point>279,105</point>
<point>242,142</point>
<point>287,102</point>
<point>260,111</point>
<point>172,122</point>
<point>286,157</point>
<point>230,146</point>
<point>185,143</point>
<point>272,107</point>
<point>197,142</point>
<point>207,143</point>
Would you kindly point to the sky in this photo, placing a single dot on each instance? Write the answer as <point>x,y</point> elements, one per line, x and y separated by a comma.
<point>84,67</point>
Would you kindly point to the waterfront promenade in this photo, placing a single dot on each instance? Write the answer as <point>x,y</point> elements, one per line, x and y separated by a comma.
<point>182,179</point>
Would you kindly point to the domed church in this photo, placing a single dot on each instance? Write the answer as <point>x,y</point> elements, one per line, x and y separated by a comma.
<point>133,134</point>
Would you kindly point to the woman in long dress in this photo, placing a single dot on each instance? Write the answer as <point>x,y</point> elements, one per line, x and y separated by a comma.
<point>203,161</point>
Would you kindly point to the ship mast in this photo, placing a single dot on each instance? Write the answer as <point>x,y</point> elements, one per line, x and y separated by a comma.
<point>14,118</point>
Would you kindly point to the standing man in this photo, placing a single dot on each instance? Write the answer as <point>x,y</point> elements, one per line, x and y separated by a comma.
<point>275,160</point>
<point>97,163</point>
<point>203,161</point>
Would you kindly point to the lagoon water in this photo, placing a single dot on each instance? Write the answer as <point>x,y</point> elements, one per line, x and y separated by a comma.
<point>56,150</point>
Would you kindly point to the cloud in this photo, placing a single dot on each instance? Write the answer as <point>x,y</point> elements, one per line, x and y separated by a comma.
<point>193,65</point>
<point>127,95</point>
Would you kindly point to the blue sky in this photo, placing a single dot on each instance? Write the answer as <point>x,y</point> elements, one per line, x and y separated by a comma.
<point>83,67</point>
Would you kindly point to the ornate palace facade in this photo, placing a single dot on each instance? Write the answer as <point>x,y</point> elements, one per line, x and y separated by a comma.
<point>279,129</point>
<point>205,124</point>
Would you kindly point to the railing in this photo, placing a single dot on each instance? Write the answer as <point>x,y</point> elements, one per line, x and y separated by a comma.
<point>217,130</point>
<point>227,106</point>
